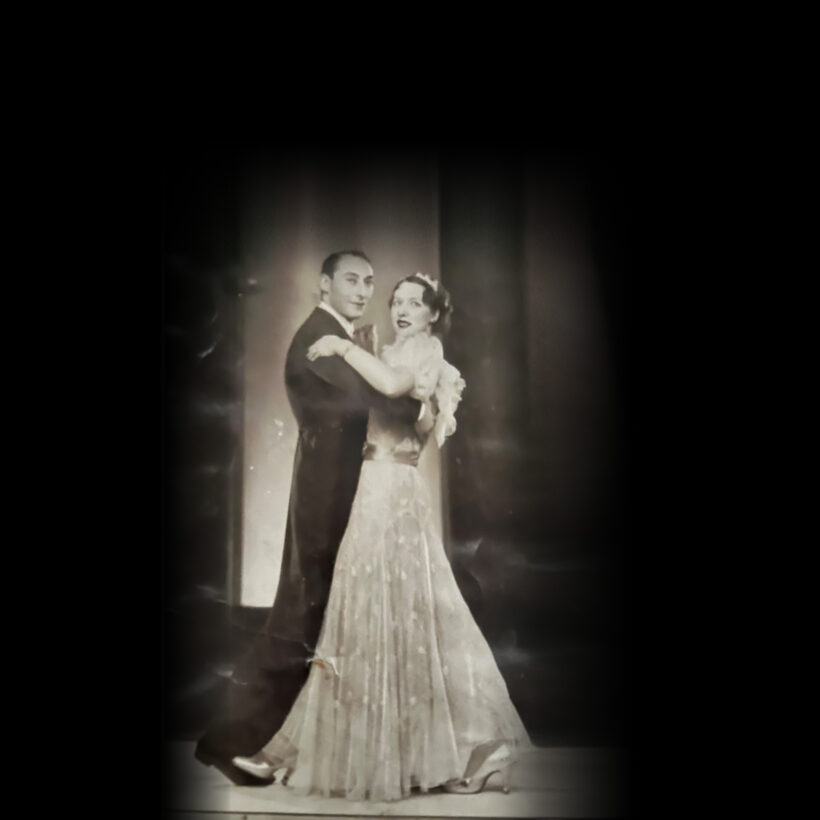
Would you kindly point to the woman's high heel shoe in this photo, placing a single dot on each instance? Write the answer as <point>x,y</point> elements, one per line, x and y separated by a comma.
<point>257,765</point>
<point>481,768</point>
<point>476,783</point>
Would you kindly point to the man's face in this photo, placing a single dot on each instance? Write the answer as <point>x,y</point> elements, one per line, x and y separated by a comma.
<point>349,289</point>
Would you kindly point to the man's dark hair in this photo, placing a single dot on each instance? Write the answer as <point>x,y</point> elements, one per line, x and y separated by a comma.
<point>331,263</point>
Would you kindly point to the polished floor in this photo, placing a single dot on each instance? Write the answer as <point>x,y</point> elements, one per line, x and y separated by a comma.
<point>559,782</point>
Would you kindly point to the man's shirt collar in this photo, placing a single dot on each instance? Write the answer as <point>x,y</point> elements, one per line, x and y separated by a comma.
<point>345,323</point>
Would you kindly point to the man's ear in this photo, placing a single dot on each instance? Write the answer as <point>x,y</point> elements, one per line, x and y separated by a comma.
<point>324,283</point>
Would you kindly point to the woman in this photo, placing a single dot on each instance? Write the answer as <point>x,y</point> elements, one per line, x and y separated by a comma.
<point>404,691</point>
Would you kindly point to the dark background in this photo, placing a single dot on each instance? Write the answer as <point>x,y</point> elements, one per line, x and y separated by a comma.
<point>538,479</point>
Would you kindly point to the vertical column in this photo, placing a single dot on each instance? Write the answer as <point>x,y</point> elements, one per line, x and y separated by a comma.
<point>481,248</point>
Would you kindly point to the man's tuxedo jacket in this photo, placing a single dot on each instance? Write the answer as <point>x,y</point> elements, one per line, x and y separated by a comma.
<point>330,401</point>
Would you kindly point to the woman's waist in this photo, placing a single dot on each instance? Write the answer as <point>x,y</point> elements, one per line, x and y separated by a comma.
<point>397,453</point>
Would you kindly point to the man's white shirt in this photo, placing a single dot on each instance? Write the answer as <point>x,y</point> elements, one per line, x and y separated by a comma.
<point>345,323</point>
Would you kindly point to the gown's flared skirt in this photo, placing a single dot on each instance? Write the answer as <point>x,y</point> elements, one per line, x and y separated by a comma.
<point>404,685</point>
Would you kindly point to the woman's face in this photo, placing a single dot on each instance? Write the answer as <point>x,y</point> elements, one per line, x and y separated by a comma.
<point>408,312</point>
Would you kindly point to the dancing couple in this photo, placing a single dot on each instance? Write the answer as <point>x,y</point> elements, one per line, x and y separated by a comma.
<point>402,690</point>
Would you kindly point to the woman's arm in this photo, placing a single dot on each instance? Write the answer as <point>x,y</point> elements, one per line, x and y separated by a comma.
<point>387,380</point>
<point>428,418</point>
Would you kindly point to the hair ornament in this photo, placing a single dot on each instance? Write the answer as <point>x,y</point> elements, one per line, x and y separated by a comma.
<point>432,282</point>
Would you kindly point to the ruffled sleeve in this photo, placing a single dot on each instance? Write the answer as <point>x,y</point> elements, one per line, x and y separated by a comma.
<point>436,377</point>
<point>448,392</point>
<point>428,359</point>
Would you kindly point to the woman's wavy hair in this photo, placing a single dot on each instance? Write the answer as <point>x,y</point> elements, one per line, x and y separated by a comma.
<point>434,296</point>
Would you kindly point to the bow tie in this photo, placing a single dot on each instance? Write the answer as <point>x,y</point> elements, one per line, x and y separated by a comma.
<point>365,337</point>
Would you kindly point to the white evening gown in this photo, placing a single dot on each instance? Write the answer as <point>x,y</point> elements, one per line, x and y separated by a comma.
<point>404,685</point>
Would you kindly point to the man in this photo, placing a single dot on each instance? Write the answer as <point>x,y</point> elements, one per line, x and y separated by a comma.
<point>330,402</point>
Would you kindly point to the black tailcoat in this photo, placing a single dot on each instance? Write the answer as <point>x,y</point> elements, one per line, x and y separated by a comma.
<point>330,401</point>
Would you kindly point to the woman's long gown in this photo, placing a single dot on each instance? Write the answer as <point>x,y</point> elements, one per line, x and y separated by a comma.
<point>403,685</point>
